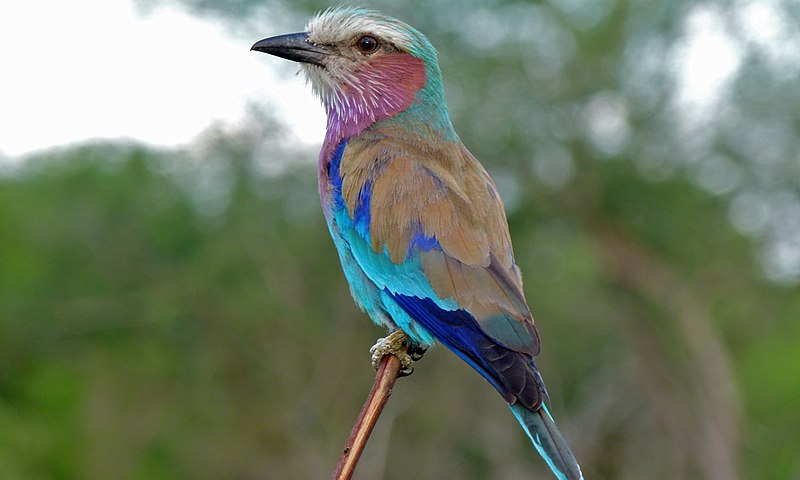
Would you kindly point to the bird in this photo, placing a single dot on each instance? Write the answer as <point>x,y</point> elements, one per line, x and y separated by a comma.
<point>418,223</point>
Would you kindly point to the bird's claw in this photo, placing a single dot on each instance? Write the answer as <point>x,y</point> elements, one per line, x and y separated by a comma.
<point>416,350</point>
<point>399,345</point>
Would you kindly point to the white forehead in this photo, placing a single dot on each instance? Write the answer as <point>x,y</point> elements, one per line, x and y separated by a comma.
<point>343,23</point>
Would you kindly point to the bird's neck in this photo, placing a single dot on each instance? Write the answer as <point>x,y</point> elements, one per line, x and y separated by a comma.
<point>398,89</point>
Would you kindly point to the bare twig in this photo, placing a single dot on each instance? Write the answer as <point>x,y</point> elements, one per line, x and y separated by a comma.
<point>388,371</point>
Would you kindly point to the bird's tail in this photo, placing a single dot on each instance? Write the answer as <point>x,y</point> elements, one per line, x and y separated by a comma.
<point>549,441</point>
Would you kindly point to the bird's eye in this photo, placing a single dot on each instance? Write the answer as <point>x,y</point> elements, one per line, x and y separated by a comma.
<point>367,44</point>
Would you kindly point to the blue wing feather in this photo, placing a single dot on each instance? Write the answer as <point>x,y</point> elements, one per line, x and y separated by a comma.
<point>456,329</point>
<point>512,373</point>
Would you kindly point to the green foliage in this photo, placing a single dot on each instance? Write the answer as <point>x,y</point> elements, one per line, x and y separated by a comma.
<point>143,338</point>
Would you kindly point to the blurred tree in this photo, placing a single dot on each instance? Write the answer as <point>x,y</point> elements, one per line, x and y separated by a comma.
<point>182,314</point>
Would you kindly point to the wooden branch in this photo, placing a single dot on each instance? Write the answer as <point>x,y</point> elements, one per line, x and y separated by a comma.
<point>388,371</point>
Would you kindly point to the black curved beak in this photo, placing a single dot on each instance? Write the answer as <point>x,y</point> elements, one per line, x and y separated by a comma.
<point>292,46</point>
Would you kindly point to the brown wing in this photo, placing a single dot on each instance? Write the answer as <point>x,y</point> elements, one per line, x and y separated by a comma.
<point>443,192</point>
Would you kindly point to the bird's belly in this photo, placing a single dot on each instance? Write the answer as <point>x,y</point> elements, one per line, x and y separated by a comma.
<point>365,293</point>
<point>370,297</point>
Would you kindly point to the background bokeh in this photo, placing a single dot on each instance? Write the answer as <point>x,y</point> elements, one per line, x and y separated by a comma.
<point>180,312</point>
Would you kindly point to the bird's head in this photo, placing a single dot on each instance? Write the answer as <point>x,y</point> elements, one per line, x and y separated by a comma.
<point>365,67</point>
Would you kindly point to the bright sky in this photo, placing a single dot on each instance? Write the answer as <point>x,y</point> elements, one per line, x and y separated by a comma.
<point>85,69</point>
<point>73,71</point>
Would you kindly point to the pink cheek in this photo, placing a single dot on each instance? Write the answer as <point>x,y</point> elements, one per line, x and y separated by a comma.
<point>399,74</point>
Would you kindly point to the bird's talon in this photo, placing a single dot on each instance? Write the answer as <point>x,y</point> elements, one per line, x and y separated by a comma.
<point>394,344</point>
<point>416,351</point>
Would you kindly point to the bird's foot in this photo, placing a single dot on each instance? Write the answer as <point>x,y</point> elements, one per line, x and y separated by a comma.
<point>402,347</point>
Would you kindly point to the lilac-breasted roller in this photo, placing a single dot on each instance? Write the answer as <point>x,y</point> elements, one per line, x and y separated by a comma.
<point>419,226</point>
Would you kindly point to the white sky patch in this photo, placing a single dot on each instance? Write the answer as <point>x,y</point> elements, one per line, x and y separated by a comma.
<point>761,22</point>
<point>705,60</point>
<point>764,25</point>
<point>73,71</point>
